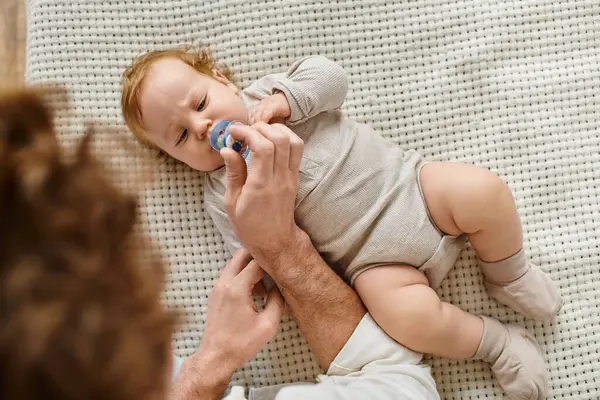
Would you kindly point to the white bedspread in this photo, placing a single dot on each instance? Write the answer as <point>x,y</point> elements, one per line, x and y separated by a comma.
<point>513,86</point>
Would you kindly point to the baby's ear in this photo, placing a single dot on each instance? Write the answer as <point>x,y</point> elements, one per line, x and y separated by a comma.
<point>223,79</point>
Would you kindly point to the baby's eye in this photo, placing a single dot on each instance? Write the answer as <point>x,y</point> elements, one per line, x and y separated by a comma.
<point>181,137</point>
<point>201,105</point>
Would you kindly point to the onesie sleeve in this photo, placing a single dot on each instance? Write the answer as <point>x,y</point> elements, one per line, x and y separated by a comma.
<point>214,203</point>
<point>312,85</point>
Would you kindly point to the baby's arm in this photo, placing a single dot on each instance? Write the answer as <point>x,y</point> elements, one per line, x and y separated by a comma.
<point>311,86</point>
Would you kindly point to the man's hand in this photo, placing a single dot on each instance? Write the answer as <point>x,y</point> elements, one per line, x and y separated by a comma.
<point>235,332</point>
<point>274,108</point>
<point>260,205</point>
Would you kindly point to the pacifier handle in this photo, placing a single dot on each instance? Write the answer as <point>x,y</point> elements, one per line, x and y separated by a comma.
<point>220,137</point>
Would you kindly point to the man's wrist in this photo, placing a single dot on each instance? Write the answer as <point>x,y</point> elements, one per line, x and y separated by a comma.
<point>316,295</point>
<point>203,376</point>
<point>214,363</point>
<point>283,265</point>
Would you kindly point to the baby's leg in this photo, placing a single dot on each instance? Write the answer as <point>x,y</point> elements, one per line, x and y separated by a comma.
<point>463,198</point>
<point>401,301</point>
<point>407,309</point>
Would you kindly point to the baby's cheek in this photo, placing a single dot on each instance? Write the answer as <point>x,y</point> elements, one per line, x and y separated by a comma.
<point>242,112</point>
<point>209,162</point>
<point>218,162</point>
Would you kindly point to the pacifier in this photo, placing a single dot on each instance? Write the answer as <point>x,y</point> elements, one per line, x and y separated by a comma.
<point>220,137</point>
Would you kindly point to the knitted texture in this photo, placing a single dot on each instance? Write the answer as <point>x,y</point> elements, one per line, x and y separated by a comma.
<point>513,87</point>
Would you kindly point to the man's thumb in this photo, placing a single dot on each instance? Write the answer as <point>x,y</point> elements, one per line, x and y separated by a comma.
<point>236,170</point>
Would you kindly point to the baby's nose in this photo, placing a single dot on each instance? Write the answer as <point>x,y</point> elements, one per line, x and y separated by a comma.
<point>202,128</point>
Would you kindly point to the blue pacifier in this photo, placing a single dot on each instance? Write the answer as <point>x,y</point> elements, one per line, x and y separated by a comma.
<point>220,137</point>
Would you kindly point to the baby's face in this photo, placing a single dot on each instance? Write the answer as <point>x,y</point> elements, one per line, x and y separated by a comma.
<point>179,105</point>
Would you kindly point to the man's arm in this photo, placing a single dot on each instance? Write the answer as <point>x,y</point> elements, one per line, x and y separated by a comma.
<point>326,308</point>
<point>235,332</point>
<point>260,206</point>
<point>202,377</point>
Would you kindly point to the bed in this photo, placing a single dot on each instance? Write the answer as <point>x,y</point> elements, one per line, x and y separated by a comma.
<point>512,86</point>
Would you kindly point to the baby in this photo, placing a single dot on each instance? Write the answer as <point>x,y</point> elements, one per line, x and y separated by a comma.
<point>387,220</point>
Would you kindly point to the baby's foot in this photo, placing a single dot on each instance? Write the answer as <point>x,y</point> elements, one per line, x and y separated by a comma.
<point>533,294</point>
<point>516,360</point>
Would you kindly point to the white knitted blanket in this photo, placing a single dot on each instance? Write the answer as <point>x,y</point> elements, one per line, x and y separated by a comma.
<point>513,86</point>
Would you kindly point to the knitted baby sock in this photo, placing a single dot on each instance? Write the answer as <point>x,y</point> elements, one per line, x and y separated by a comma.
<point>515,358</point>
<point>522,286</point>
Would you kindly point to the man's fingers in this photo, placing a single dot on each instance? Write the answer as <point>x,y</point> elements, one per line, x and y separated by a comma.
<point>263,149</point>
<point>259,290</point>
<point>251,136</point>
<point>286,308</point>
<point>238,262</point>
<point>296,147</point>
<point>274,307</point>
<point>236,171</point>
<point>281,142</point>
<point>250,276</point>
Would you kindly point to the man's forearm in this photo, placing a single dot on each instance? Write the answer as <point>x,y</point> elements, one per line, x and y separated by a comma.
<point>202,377</point>
<point>326,308</point>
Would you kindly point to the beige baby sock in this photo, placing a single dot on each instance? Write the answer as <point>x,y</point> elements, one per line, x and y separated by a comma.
<point>515,358</point>
<point>522,286</point>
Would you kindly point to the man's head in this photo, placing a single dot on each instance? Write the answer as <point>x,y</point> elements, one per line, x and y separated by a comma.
<point>171,98</point>
<point>81,311</point>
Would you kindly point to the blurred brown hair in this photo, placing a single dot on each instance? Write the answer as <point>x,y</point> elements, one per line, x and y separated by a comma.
<point>81,312</point>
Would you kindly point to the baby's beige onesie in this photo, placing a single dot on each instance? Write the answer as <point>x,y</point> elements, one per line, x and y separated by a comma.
<point>359,196</point>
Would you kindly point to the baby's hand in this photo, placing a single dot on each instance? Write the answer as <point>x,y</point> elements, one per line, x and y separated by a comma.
<point>273,109</point>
